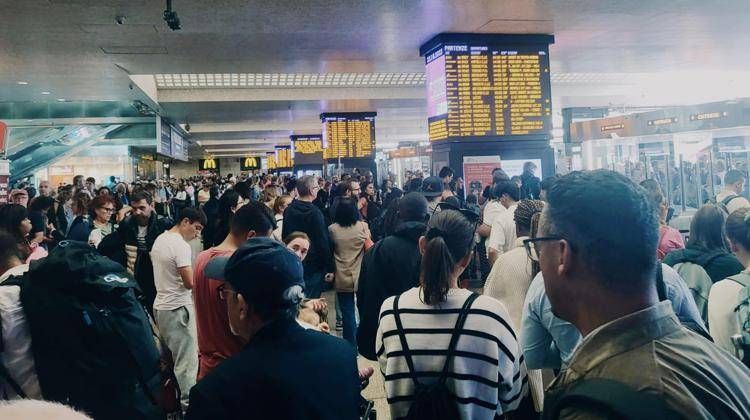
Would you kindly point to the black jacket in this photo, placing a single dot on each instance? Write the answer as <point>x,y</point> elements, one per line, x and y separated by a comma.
<point>718,264</point>
<point>302,216</point>
<point>389,268</point>
<point>284,372</point>
<point>530,186</point>
<point>114,246</point>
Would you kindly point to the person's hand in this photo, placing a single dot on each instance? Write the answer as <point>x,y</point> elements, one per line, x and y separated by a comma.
<point>318,305</point>
<point>329,277</point>
<point>365,373</point>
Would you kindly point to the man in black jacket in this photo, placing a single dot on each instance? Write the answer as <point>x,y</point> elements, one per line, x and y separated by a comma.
<point>389,268</point>
<point>304,216</point>
<point>284,371</point>
<point>131,243</point>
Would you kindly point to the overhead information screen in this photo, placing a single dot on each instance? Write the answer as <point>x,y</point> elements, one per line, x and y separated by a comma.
<point>348,135</point>
<point>271,160</point>
<point>283,157</point>
<point>307,150</point>
<point>488,87</point>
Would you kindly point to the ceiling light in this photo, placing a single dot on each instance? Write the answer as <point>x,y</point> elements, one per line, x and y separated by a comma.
<point>45,93</point>
<point>60,99</point>
<point>23,83</point>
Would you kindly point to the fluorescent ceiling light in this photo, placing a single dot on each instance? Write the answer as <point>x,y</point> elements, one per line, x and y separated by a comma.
<point>292,80</point>
<point>46,93</point>
<point>240,142</point>
<point>23,83</point>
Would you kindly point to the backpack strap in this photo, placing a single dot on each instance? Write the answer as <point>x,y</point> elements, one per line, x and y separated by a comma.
<point>661,288</point>
<point>725,202</point>
<point>462,315</point>
<point>404,346</point>
<point>742,278</point>
<point>611,398</point>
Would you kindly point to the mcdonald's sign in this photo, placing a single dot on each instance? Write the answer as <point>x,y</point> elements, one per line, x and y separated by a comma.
<point>209,164</point>
<point>249,163</point>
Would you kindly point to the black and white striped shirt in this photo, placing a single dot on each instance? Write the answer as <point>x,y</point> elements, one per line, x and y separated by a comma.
<point>487,375</point>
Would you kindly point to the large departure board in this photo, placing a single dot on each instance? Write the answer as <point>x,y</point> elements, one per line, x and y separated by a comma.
<point>348,135</point>
<point>283,157</point>
<point>271,160</point>
<point>307,150</point>
<point>488,87</point>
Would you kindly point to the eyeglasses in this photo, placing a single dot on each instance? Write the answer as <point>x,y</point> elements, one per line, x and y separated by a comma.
<point>532,245</point>
<point>107,209</point>
<point>224,292</point>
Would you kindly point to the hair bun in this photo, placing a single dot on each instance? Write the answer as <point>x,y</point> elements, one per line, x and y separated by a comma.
<point>434,232</point>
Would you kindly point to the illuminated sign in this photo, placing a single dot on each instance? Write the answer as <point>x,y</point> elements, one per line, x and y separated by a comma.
<point>348,135</point>
<point>307,150</point>
<point>708,116</point>
<point>249,163</point>
<point>284,157</point>
<point>612,127</point>
<point>663,121</point>
<point>488,87</point>
<point>403,152</point>
<point>209,164</point>
<point>271,160</point>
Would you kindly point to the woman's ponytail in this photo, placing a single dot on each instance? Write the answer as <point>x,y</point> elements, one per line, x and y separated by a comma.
<point>450,237</point>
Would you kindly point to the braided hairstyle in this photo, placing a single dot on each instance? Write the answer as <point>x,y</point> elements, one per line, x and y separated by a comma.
<point>524,213</point>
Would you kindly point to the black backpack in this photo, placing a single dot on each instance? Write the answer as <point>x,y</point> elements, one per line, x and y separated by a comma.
<point>92,341</point>
<point>434,401</point>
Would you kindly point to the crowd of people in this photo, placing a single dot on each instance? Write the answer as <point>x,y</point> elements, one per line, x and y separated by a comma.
<point>566,297</point>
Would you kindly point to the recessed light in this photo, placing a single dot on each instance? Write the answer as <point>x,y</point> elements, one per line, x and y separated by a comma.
<point>60,99</point>
<point>23,83</point>
<point>45,93</point>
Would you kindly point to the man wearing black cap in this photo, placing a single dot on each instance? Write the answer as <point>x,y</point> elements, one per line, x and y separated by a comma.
<point>284,371</point>
<point>432,190</point>
<point>379,279</point>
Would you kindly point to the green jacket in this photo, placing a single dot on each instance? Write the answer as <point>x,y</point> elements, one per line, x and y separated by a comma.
<point>718,264</point>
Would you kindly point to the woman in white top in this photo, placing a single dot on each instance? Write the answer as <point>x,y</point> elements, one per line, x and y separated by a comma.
<point>511,276</point>
<point>724,295</point>
<point>279,205</point>
<point>486,374</point>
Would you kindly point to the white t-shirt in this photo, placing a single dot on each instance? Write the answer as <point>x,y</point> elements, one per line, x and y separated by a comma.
<point>203,196</point>
<point>491,211</point>
<point>170,252</point>
<point>503,235</point>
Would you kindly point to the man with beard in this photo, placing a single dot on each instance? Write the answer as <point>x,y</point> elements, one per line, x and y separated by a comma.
<point>136,235</point>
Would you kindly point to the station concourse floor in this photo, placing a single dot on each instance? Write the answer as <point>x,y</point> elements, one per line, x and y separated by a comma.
<point>375,391</point>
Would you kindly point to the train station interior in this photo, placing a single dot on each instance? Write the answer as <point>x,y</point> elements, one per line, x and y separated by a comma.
<point>149,147</point>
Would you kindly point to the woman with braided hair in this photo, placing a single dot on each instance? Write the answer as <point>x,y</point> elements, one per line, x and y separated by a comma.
<point>511,276</point>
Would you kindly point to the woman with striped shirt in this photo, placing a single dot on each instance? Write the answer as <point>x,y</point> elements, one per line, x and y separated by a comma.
<point>486,374</point>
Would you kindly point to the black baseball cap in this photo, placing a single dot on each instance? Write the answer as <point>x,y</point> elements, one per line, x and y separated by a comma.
<point>261,270</point>
<point>432,186</point>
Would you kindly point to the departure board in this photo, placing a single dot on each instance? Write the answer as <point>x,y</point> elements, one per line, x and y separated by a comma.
<point>307,150</point>
<point>271,160</point>
<point>480,89</point>
<point>284,157</point>
<point>348,135</point>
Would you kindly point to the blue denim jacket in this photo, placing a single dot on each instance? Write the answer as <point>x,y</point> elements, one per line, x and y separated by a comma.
<point>549,342</point>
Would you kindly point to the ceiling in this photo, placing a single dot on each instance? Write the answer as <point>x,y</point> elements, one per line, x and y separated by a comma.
<point>607,53</point>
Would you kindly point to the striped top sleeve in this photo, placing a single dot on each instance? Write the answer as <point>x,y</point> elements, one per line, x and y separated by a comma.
<point>487,375</point>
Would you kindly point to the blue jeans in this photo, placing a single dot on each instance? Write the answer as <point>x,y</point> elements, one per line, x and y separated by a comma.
<point>313,284</point>
<point>346,300</point>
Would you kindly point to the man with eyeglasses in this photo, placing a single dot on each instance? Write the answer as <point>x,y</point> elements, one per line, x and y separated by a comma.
<point>284,371</point>
<point>304,216</point>
<point>599,273</point>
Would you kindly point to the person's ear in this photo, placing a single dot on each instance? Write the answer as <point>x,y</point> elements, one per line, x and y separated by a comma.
<point>422,244</point>
<point>243,307</point>
<point>464,262</point>
<point>250,234</point>
<point>565,257</point>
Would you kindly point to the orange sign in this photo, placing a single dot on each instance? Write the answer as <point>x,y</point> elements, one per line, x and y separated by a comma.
<point>3,135</point>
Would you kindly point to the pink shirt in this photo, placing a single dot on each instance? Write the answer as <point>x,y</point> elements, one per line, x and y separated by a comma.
<point>670,239</point>
<point>37,252</point>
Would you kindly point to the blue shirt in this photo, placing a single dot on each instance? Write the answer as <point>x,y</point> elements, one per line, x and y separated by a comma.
<point>549,342</point>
